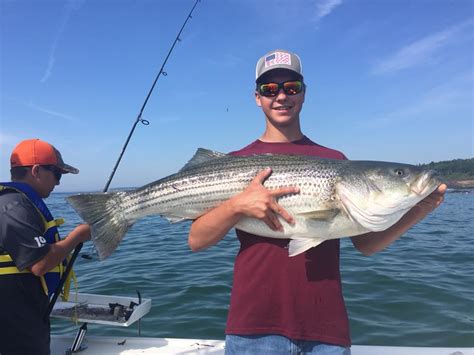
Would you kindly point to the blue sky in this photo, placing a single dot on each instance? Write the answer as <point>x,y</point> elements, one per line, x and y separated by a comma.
<point>387,80</point>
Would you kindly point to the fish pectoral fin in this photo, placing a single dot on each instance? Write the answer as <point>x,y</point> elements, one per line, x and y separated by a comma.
<point>320,214</point>
<point>300,245</point>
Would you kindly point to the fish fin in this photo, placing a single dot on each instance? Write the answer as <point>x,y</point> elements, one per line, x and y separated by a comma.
<point>320,214</point>
<point>173,219</point>
<point>201,156</point>
<point>300,245</point>
<point>99,210</point>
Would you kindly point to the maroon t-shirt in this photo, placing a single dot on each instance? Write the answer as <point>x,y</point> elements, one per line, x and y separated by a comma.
<point>298,297</point>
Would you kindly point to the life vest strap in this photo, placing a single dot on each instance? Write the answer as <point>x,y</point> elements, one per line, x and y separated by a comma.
<point>54,223</point>
<point>9,268</point>
<point>15,270</point>
<point>5,258</point>
<point>67,285</point>
<point>12,270</point>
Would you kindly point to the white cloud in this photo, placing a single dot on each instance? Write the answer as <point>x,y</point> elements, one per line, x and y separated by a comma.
<point>42,109</point>
<point>50,112</point>
<point>325,7</point>
<point>71,5</point>
<point>442,99</point>
<point>420,51</point>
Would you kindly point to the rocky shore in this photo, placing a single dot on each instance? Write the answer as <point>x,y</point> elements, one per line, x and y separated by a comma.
<point>461,184</point>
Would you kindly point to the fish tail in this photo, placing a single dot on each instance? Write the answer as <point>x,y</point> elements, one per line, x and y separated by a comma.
<point>103,213</point>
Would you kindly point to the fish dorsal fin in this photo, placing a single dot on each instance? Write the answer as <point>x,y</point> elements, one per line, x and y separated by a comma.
<point>202,156</point>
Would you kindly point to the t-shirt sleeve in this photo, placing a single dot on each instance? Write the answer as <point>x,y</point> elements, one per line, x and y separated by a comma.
<point>21,230</point>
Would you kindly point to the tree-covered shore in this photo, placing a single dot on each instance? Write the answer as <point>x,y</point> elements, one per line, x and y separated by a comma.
<point>457,173</point>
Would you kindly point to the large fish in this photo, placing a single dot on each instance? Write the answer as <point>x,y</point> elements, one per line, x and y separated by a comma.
<point>337,198</point>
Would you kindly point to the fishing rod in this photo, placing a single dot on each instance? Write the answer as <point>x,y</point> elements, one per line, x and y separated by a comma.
<point>138,119</point>
<point>63,279</point>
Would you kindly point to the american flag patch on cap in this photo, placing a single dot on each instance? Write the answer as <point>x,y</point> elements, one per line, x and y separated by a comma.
<point>277,58</point>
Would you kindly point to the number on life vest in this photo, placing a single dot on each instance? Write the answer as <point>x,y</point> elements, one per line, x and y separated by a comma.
<point>40,240</point>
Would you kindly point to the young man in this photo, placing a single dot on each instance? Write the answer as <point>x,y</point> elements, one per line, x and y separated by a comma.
<point>283,305</point>
<point>32,256</point>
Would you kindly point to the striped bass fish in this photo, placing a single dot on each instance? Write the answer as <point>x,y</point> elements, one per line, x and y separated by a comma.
<point>336,198</point>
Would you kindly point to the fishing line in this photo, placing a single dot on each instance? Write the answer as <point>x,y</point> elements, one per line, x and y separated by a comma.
<point>137,120</point>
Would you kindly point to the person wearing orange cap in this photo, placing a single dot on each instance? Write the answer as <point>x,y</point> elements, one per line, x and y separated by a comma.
<point>32,255</point>
<point>280,304</point>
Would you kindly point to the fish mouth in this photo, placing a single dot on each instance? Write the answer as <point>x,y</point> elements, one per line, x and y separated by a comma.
<point>426,183</point>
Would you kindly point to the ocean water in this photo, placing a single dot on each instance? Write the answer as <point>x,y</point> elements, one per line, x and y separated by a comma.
<point>417,292</point>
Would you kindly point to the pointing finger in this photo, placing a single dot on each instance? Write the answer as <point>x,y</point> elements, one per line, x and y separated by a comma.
<point>283,213</point>
<point>284,191</point>
<point>273,222</point>
<point>262,175</point>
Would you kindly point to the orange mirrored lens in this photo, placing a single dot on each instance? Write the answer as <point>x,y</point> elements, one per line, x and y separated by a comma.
<point>272,89</point>
<point>292,87</point>
<point>269,88</point>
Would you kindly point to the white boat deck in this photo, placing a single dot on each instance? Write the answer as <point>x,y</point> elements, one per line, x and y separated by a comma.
<point>103,345</point>
<point>96,309</point>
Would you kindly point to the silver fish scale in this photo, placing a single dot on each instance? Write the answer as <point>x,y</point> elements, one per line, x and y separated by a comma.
<point>337,198</point>
<point>196,189</point>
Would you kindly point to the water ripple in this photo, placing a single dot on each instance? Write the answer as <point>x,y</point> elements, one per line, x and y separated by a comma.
<point>417,292</point>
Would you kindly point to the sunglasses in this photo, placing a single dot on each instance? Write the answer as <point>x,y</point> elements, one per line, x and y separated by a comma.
<point>56,172</point>
<point>292,87</point>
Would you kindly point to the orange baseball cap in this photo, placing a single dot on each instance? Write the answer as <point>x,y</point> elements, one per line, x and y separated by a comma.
<point>35,151</point>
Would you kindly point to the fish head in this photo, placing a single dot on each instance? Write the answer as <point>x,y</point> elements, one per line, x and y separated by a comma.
<point>377,194</point>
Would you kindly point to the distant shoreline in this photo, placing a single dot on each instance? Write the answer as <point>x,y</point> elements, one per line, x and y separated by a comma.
<point>461,184</point>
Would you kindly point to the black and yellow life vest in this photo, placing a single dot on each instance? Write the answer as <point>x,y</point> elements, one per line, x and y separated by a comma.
<point>50,280</point>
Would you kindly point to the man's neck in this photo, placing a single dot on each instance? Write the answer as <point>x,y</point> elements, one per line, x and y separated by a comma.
<point>281,135</point>
<point>28,181</point>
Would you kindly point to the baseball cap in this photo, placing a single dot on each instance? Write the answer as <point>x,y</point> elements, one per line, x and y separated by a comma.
<point>278,59</point>
<point>35,151</point>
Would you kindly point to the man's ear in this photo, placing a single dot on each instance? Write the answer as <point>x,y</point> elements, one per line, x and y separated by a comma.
<point>35,170</point>
<point>257,99</point>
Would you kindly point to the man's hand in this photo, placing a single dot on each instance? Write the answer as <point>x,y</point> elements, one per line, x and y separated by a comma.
<point>374,242</point>
<point>59,250</point>
<point>429,203</point>
<point>82,232</point>
<point>258,202</point>
<point>255,201</point>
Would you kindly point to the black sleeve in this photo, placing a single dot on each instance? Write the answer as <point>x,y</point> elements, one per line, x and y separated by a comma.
<point>21,230</point>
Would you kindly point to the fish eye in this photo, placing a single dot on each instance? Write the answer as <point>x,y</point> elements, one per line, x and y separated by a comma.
<point>399,172</point>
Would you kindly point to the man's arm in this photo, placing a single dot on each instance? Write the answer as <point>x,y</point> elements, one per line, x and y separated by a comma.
<point>371,243</point>
<point>58,251</point>
<point>255,201</point>
<point>21,224</point>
